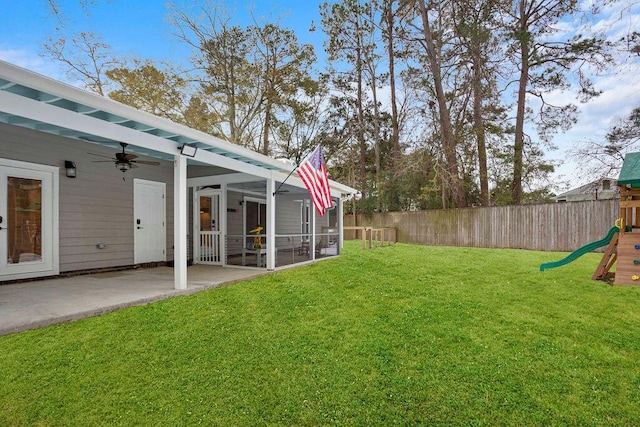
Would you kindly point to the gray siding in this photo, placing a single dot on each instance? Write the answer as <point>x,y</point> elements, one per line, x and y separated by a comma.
<point>288,219</point>
<point>97,206</point>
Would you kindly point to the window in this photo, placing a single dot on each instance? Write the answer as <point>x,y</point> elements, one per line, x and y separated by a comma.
<point>24,220</point>
<point>304,215</point>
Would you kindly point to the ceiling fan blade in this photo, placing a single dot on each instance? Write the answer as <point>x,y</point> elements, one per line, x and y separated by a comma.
<point>145,162</point>
<point>132,166</point>
<point>100,155</point>
<point>102,161</point>
<point>125,157</point>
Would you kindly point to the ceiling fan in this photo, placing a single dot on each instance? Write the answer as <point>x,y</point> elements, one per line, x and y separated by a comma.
<point>125,161</point>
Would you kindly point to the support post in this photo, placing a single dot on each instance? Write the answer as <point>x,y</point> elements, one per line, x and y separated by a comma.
<point>180,221</point>
<point>271,224</point>
<point>312,225</point>
<point>340,225</point>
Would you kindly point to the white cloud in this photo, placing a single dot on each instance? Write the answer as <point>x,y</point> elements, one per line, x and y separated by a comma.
<point>32,62</point>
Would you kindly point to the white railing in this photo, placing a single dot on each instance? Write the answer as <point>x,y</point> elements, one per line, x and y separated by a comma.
<point>209,247</point>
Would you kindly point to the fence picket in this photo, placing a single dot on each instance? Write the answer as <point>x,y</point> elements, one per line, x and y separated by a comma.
<point>545,227</point>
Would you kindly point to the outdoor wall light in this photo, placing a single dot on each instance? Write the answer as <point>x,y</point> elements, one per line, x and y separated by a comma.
<point>70,168</point>
<point>188,150</point>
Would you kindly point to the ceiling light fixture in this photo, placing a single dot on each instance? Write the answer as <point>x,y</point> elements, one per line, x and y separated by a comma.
<point>123,166</point>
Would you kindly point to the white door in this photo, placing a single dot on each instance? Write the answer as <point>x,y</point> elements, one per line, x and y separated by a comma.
<point>28,220</point>
<point>208,224</point>
<point>149,213</point>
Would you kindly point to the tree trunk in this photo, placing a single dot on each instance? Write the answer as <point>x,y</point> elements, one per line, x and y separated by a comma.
<point>395,137</point>
<point>478,124</point>
<point>518,146</point>
<point>394,200</point>
<point>361,141</point>
<point>267,128</point>
<point>376,136</point>
<point>448,139</point>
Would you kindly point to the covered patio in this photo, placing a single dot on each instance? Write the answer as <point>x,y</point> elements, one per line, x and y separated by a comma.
<point>41,303</point>
<point>175,196</point>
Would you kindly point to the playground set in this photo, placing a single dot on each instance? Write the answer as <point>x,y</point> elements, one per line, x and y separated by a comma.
<point>622,240</point>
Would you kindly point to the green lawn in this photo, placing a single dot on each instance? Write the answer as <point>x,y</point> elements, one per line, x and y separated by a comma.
<point>403,335</point>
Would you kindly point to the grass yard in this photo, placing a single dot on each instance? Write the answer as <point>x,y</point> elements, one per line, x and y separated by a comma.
<point>404,335</point>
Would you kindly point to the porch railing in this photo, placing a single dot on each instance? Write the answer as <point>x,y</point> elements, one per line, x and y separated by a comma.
<point>209,247</point>
<point>291,248</point>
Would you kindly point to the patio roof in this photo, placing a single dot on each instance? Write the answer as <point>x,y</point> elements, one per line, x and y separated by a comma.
<point>30,100</point>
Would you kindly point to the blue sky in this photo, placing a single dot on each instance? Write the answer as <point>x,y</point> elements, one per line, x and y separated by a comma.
<point>131,27</point>
<point>140,28</point>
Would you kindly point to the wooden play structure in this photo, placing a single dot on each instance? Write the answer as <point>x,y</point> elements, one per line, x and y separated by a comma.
<point>624,248</point>
<point>622,240</point>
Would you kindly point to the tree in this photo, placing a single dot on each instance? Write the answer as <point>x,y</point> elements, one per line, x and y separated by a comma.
<point>388,25</point>
<point>545,64</point>
<point>346,28</point>
<point>82,52</point>
<point>149,89</point>
<point>475,28</point>
<point>604,157</point>
<point>284,66</point>
<point>432,44</point>
<point>224,71</point>
<point>305,125</point>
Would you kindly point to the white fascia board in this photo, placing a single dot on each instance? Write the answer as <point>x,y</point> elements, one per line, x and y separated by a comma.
<point>337,189</point>
<point>41,112</point>
<point>341,189</point>
<point>49,86</point>
<point>229,178</point>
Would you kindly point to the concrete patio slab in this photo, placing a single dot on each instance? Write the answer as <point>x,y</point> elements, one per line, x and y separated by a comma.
<point>37,304</point>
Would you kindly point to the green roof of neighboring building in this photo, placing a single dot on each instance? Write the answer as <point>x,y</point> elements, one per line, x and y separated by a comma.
<point>630,172</point>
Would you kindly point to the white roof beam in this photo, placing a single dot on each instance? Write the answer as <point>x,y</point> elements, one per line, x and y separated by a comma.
<point>40,83</point>
<point>38,111</point>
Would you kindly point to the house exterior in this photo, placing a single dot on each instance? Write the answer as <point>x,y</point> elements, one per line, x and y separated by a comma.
<point>602,189</point>
<point>73,198</point>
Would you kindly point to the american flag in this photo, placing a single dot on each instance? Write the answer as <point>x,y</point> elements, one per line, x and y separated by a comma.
<point>313,173</point>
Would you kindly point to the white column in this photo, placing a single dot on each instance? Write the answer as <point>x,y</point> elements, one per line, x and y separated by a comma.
<point>223,224</point>
<point>312,226</point>
<point>180,221</point>
<point>195,221</point>
<point>340,214</point>
<point>271,224</point>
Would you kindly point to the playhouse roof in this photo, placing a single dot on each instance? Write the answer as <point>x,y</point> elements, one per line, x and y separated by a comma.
<point>630,172</point>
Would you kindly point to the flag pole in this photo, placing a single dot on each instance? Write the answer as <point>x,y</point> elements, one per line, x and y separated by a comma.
<point>285,180</point>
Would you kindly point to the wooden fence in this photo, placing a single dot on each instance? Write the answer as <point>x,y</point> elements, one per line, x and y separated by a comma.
<point>372,237</point>
<point>545,227</point>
